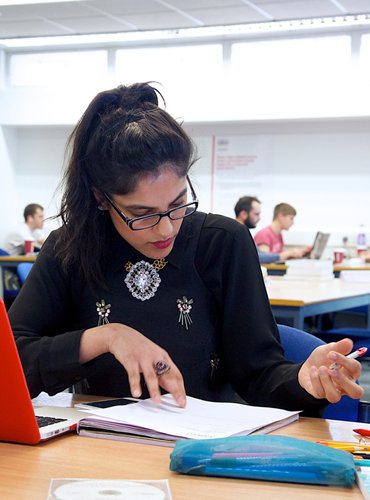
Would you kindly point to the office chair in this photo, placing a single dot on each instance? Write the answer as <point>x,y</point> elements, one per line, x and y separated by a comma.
<point>23,270</point>
<point>298,345</point>
<point>10,286</point>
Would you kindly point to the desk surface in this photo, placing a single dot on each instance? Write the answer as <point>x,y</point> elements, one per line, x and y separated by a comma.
<point>284,291</point>
<point>346,266</point>
<point>26,470</point>
<point>17,258</point>
<point>280,269</point>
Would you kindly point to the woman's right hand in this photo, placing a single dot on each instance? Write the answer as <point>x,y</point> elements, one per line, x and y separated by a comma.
<point>138,355</point>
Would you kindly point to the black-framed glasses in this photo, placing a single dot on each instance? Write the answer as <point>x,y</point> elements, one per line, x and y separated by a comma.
<point>147,221</point>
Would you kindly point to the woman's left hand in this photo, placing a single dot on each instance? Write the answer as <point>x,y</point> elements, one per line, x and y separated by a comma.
<point>319,378</point>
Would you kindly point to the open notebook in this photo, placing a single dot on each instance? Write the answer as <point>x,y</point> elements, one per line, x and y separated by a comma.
<point>19,421</point>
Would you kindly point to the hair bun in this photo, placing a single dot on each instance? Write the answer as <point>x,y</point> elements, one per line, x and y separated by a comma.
<point>138,96</point>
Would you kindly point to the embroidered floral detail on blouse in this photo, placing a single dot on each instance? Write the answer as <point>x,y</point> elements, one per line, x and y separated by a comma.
<point>184,306</point>
<point>103,311</point>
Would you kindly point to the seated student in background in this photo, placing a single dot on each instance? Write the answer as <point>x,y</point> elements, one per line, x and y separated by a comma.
<point>270,238</point>
<point>248,212</point>
<point>139,292</point>
<point>29,230</point>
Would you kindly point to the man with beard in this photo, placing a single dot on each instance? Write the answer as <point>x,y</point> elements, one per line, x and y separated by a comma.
<point>248,212</point>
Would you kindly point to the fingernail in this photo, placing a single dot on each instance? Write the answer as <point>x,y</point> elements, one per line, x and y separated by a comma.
<point>136,394</point>
<point>181,402</point>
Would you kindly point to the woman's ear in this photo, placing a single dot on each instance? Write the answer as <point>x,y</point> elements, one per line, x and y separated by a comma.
<point>101,201</point>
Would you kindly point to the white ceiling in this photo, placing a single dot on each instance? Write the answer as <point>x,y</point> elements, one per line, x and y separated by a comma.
<point>77,17</point>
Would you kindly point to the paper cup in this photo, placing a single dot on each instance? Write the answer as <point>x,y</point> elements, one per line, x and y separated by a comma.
<point>338,255</point>
<point>28,246</point>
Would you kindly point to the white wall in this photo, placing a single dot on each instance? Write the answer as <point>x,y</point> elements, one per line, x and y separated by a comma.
<point>314,117</point>
<point>9,195</point>
<point>320,167</point>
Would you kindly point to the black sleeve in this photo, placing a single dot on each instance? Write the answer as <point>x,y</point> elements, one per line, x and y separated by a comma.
<point>254,359</point>
<point>39,317</point>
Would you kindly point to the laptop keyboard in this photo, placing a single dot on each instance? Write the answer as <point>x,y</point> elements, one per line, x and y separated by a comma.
<point>43,421</point>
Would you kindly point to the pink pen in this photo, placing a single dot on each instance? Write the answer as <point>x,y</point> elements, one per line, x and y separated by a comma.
<point>361,351</point>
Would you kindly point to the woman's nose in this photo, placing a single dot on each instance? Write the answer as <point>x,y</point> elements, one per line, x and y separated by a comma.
<point>164,228</point>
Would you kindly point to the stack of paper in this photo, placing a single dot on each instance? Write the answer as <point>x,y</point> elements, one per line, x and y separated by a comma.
<point>165,423</point>
<point>310,269</point>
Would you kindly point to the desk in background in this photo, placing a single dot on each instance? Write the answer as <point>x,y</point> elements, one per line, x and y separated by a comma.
<point>345,266</point>
<point>12,261</point>
<point>275,269</point>
<point>297,299</point>
<point>27,470</point>
<point>365,266</point>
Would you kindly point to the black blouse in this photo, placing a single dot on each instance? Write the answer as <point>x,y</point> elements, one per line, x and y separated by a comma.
<point>231,348</point>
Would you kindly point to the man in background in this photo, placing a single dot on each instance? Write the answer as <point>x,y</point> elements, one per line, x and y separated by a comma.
<point>248,212</point>
<point>29,230</point>
<point>270,238</point>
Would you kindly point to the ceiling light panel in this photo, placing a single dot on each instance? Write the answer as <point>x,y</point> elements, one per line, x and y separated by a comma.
<point>219,15</point>
<point>51,11</point>
<point>298,9</point>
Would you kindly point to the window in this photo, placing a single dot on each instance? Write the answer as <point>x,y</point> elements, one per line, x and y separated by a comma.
<point>291,71</point>
<point>58,69</point>
<point>183,72</point>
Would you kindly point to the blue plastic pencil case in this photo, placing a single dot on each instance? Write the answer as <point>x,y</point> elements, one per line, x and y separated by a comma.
<point>269,458</point>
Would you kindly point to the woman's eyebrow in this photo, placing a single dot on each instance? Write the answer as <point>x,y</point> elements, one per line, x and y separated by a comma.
<point>144,207</point>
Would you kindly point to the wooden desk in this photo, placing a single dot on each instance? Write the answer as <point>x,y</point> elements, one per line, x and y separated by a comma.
<point>345,266</point>
<point>297,299</point>
<point>275,269</point>
<point>280,269</point>
<point>12,261</point>
<point>26,470</point>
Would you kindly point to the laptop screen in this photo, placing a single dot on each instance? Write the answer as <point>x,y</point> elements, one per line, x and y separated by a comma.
<point>319,245</point>
<point>20,422</point>
<point>17,418</point>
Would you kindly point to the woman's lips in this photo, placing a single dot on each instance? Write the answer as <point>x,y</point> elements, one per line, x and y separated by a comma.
<point>163,244</point>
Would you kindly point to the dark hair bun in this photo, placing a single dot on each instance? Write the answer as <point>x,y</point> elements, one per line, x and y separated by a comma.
<point>137,96</point>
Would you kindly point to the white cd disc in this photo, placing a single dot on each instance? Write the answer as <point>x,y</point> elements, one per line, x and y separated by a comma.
<point>108,490</point>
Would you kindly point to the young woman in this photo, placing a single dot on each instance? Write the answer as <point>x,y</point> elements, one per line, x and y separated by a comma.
<point>139,292</point>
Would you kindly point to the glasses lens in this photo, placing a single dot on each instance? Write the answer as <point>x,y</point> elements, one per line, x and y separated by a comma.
<point>181,212</point>
<point>145,222</point>
<point>152,220</point>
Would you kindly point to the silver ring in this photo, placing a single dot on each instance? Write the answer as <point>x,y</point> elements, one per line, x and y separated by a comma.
<point>160,368</point>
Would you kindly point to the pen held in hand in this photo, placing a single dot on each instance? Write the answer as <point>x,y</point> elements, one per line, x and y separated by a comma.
<point>358,353</point>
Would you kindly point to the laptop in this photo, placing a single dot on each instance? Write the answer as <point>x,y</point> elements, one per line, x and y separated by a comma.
<point>319,245</point>
<point>18,418</point>
<point>317,249</point>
